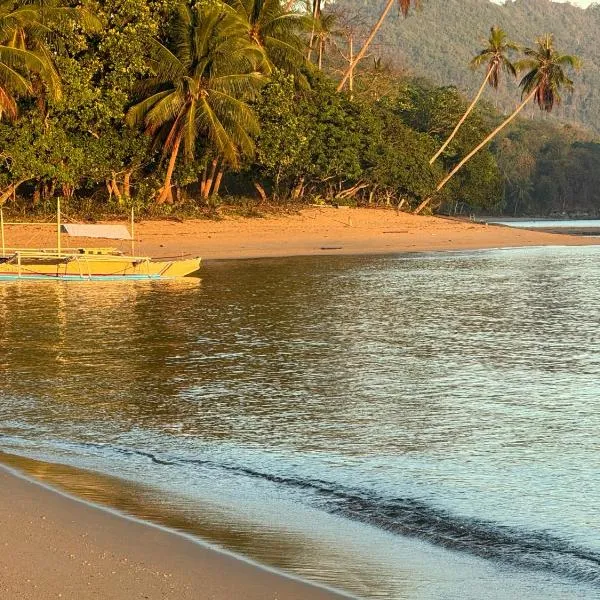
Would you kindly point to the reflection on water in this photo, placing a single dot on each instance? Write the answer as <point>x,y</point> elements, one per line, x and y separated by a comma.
<point>416,427</point>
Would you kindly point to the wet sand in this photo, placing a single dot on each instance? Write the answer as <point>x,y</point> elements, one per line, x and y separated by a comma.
<point>53,546</point>
<point>312,231</point>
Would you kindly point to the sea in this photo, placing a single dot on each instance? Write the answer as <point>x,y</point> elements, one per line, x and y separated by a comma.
<point>406,427</point>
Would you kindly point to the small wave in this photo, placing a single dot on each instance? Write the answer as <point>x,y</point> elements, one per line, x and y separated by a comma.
<point>414,518</point>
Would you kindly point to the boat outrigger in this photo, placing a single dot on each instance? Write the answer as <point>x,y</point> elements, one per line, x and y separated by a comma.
<point>88,264</point>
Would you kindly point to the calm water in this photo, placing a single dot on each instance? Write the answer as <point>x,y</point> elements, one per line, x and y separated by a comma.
<point>591,224</point>
<point>417,427</point>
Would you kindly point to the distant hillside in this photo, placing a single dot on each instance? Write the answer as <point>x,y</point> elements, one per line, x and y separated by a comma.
<point>439,41</point>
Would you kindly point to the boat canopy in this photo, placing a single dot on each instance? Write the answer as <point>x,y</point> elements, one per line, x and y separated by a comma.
<point>111,232</point>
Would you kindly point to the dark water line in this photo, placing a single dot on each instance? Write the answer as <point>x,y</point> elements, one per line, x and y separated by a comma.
<point>413,518</point>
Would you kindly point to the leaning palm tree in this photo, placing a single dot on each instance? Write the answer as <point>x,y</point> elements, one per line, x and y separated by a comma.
<point>276,30</point>
<point>200,87</point>
<point>494,56</point>
<point>404,8</point>
<point>543,82</point>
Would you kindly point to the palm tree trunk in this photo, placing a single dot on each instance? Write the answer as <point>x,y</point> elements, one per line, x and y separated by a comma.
<point>209,181</point>
<point>321,55</point>
<point>165,194</point>
<point>315,13</point>
<point>473,152</point>
<point>463,118</point>
<point>351,76</point>
<point>366,45</point>
<point>218,180</point>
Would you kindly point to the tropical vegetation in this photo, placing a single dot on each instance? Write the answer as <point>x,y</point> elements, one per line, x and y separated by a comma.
<point>177,106</point>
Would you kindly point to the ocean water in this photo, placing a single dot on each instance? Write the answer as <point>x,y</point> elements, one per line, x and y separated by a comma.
<point>401,427</point>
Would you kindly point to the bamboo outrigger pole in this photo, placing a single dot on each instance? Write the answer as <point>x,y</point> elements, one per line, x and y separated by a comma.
<point>2,231</point>
<point>132,234</point>
<point>58,249</point>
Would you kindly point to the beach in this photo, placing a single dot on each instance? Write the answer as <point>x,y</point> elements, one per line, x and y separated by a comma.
<point>310,231</point>
<point>56,547</point>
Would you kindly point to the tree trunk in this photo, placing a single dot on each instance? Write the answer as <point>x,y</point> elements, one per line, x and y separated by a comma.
<point>471,154</point>
<point>165,195</point>
<point>463,118</point>
<point>316,12</point>
<point>115,189</point>
<point>209,181</point>
<point>127,185</point>
<point>366,45</point>
<point>11,190</point>
<point>218,180</point>
<point>351,76</point>
<point>261,191</point>
<point>321,54</point>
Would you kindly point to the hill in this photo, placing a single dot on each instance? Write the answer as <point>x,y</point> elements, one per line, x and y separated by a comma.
<point>439,40</point>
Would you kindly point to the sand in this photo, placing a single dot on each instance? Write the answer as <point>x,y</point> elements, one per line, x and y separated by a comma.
<point>313,230</point>
<point>52,546</point>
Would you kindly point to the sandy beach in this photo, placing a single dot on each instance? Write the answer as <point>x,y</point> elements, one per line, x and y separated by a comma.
<point>311,231</point>
<point>57,547</point>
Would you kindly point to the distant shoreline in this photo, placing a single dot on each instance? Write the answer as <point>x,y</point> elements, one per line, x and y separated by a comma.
<point>312,231</point>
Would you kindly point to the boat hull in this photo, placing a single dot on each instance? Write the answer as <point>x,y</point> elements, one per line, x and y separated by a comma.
<point>94,268</point>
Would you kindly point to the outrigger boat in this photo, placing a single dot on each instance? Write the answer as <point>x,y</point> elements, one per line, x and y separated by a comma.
<point>87,264</point>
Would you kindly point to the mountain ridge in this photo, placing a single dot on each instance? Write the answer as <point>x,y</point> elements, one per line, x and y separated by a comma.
<point>439,40</point>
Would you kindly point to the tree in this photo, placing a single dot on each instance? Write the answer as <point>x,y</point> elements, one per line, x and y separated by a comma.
<point>24,55</point>
<point>201,87</point>
<point>276,30</point>
<point>404,8</point>
<point>494,55</point>
<point>324,29</point>
<point>542,83</point>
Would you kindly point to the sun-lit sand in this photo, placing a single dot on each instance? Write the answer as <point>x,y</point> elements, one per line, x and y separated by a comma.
<point>54,547</point>
<point>313,230</point>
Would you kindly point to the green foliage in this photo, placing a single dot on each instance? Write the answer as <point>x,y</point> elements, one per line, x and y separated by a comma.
<point>282,145</point>
<point>229,83</point>
<point>398,159</point>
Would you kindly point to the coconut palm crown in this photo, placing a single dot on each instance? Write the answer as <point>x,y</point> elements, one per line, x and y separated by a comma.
<point>274,29</point>
<point>546,73</point>
<point>495,56</point>
<point>24,55</point>
<point>201,87</point>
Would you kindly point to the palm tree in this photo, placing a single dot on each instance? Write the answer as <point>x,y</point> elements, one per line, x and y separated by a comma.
<point>201,88</point>
<point>404,8</point>
<point>494,55</point>
<point>324,30</point>
<point>542,84</point>
<point>24,55</point>
<point>276,30</point>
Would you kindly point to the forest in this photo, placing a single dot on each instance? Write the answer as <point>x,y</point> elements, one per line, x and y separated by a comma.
<point>176,107</point>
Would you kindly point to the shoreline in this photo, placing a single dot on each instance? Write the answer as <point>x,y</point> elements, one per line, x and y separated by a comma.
<point>313,231</point>
<point>59,546</point>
